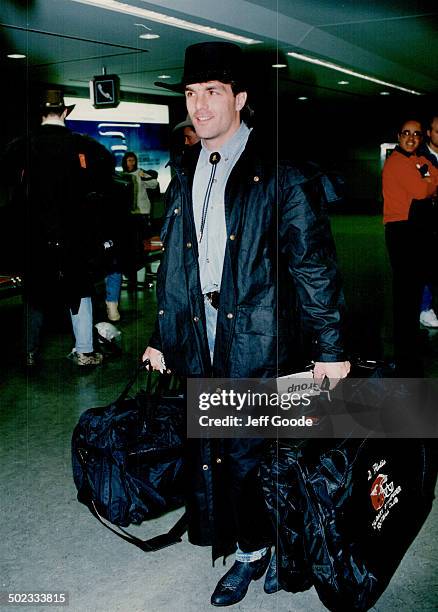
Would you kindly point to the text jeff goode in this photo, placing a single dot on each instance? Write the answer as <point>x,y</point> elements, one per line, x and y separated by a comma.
<point>250,421</point>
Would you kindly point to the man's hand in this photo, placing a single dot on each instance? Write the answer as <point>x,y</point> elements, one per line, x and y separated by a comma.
<point>334,370</point>
<point>156,358</point>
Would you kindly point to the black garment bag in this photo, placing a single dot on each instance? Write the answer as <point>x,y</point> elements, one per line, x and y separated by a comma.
<point>128,460</point>
<point>346,511</point>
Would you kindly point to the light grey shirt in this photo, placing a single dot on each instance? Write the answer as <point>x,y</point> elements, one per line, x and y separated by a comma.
<point>212,246</point>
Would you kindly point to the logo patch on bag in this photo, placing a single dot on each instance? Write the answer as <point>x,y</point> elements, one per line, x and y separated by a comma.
<point>383,494</point>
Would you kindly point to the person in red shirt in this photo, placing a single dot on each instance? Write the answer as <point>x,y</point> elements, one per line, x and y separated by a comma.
<point>407,177</point>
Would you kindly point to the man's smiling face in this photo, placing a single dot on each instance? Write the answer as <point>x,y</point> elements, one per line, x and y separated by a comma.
<point>214,111</point>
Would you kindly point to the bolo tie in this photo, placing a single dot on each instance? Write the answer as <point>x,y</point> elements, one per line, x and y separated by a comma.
<point>214,159</point>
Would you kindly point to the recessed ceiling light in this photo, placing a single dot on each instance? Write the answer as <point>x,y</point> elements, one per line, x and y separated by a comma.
<point>343,82</point>
<point>385,93</point>
<point>16,56</point>
<point>127,9</point>
<point>302,98</point>
<point>318,62</point>
<point>164,76</point>
<point>279,65</point>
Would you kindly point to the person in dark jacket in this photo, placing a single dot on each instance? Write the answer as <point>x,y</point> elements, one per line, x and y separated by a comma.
<point>240,230</point>
<point>56,180</point>
<point>429,150</point>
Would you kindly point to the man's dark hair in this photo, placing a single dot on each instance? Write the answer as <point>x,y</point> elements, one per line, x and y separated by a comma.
<point>247,113</point>
<point>430,120</point>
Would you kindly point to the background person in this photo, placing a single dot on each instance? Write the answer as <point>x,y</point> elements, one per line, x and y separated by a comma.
<point>404,179</point>
<point>429,149</point>
<point>58,180</point>
<point>141,211</point>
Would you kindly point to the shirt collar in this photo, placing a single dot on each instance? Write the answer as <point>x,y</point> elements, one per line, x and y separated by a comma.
<point>53,121</point>
<point>432,151</point>
<point>229,148</point>
<point>402,151</point>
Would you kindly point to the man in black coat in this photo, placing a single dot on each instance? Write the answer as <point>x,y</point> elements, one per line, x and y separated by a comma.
<point>56,181</point>
<point>240,231</point>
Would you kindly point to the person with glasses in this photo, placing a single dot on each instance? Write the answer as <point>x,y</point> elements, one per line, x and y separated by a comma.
<point>406,177</point>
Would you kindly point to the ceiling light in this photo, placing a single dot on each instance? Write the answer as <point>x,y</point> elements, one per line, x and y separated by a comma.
<point>164,76</point>
<point>303,98</point>
<point>279,65</point>
<point>385,93</point>
<point>147,35</point>
<point>343,82</point>
<point>122,7</point>
<point>16,56</point>
<point>318,62</point>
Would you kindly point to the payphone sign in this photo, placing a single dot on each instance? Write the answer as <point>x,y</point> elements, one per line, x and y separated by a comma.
<point>105,91</point>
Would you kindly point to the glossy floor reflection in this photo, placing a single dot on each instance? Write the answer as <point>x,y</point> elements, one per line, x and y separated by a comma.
<point>50,542</point>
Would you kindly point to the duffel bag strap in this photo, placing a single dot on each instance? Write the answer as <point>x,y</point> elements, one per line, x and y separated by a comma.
<point>144,365</point>
<point>173,536</point>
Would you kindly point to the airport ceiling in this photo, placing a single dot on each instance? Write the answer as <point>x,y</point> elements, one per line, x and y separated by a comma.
<point>67,42</point>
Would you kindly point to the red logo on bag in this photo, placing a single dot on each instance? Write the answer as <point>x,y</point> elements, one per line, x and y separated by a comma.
<point>378,492</point>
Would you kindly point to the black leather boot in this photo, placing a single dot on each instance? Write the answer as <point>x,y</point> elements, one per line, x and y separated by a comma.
<point>271,581</point>
<point>232,587</point>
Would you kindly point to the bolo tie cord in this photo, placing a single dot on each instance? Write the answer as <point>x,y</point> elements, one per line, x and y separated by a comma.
<point>214,160</point>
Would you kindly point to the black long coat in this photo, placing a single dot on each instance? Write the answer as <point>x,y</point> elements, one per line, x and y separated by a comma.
<point>279,243</point>
<point>58,181</point>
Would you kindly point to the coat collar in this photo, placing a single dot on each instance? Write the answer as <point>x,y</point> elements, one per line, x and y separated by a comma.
<point>250,161</point>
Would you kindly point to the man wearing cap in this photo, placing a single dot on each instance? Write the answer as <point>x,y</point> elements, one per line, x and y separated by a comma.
<point>189,133</point>
<point>57,179</point>
<point>240,232</point>
<point>183,137</point>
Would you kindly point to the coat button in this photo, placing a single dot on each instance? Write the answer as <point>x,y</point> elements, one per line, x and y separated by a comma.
<point>232,237</point>
<point>163,248</point>
<point>176,211</point>
<point>230,315</point>
<point>256,179</point>
<point>205,467</point>
<point>189,245</point>
<point>196,319</point>
<point>161,312</point>
<point>218,460</point>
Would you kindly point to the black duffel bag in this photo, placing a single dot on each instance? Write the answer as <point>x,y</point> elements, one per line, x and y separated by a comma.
<point>128,460</point>
<point>346,512</point>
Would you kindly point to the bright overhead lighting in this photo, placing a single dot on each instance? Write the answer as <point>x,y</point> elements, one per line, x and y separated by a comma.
<point>147,35</point>
<point>164,76</point>
<point>302,98</point>
<point>318,62</point>
<point>106,124</point>
<point>122,7</point>
<point>16,56</point>
<point>279,65</point>
<point>343,82</point>
<point>385,93</point>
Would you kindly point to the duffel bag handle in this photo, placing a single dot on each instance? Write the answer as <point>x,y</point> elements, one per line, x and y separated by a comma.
<point>144,365</point>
